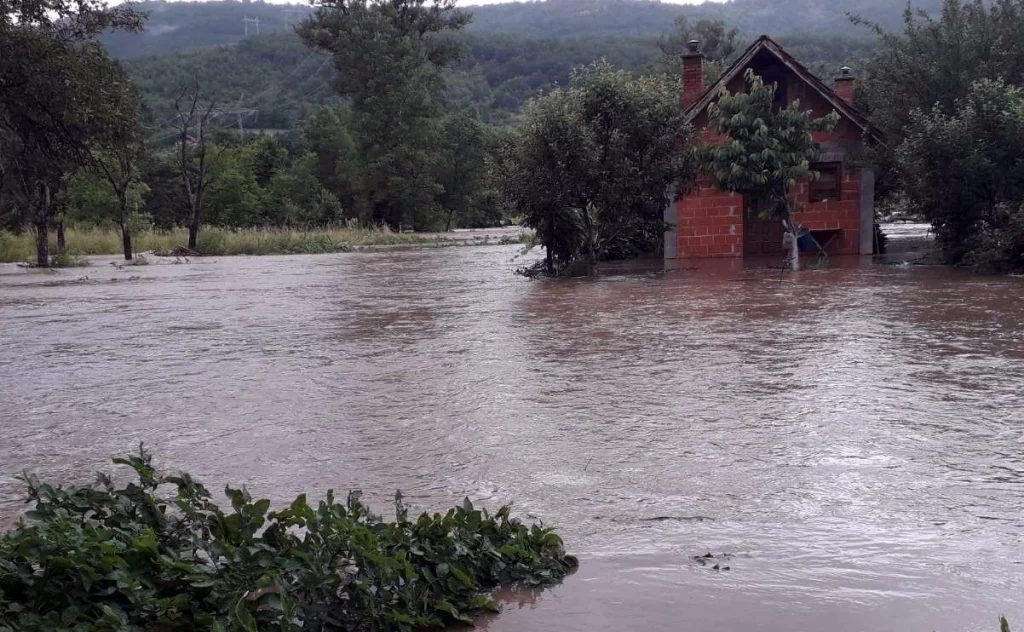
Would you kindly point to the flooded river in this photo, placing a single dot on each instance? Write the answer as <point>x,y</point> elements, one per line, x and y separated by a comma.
<point>852,439</point>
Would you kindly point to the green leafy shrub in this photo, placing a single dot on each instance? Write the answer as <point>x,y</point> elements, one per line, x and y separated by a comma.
<point>589,167</point>
<point>964,172</point>
<point>103,557</point>
<point>998,243</point>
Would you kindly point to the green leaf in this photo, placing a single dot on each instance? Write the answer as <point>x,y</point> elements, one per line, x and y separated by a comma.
<point>459,574</point>
<point>242,617</point>
<point>260,507</point>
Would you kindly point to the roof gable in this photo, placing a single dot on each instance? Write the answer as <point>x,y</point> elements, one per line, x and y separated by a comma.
<point>766,43</point>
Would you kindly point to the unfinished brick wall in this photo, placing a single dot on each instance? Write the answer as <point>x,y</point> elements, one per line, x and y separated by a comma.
<point>843,214</point>
<point>710,222</point>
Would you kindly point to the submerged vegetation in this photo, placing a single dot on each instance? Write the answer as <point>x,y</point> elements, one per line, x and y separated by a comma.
<point>158,554</point>
<point>947,94</point>
<point>591,164</point>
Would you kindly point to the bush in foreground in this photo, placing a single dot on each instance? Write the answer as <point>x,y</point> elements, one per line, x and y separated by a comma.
<point>103,557</point>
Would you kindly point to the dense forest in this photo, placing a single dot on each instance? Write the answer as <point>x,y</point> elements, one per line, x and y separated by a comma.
<point>644,18</point>
<point>279,77</point>
<point>283,81</point>
<point>181,26</point>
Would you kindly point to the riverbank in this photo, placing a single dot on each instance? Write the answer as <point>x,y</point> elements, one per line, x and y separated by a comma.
<point>255,241</point>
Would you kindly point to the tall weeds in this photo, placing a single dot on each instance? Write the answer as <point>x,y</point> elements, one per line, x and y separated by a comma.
<point>83,241</point>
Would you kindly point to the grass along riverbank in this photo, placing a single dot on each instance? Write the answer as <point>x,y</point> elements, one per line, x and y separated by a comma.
<point>221,241</point>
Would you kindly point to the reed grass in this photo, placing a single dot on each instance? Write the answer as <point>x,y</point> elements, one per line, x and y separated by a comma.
<point>83,241</point>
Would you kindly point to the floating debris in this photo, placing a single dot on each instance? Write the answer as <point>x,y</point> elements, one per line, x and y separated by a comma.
<point>714,562</point>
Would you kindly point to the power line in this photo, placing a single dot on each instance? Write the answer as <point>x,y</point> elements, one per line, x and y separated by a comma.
<point>239,114</point>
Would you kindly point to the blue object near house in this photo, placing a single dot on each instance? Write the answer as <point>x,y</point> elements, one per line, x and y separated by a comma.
<point>807,243</point>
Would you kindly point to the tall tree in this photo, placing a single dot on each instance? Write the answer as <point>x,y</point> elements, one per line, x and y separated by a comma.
<point>766,150</point>
<point>935,60</point>
<point>465,171</point>
<point>53,98</point>
<point>591,165</point>
<point>391,54</point>
<point>964,172</point>
<point>195,160</point>
<point>118,149</point>
<point>330,136</point>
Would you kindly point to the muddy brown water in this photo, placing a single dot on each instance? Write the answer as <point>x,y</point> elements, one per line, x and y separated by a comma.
<point>853,438</point>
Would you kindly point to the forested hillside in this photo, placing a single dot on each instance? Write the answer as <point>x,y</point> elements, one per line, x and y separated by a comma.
<point>180,26</point>
<point>286,82</point>
<point>642,18</point>
<point>275,74</point>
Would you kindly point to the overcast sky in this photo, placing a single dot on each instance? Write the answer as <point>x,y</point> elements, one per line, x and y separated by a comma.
<point>466,3</point>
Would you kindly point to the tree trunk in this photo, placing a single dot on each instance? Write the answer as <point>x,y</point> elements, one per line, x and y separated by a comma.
<point>42,244</point>
<point>193,234</point>
<point>588,227</point>
<point>61,242</point>
<point>794,245</point>
<point>126,231</point>
<point>548,240</point>
<point>44,212</point>
<point>126,240</point>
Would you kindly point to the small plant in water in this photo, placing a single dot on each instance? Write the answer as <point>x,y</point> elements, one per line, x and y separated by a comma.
<point>157,554</point>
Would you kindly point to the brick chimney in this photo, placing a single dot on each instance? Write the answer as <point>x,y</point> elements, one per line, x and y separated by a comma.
<point>846,81</point>
<point>693,74</point>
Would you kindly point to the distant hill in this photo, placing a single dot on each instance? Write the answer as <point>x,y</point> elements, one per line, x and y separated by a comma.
<point>644,18</point>
<point>515,50</point>
<point>286,82</point>
<point>183,26</point>
<point>175,27</point>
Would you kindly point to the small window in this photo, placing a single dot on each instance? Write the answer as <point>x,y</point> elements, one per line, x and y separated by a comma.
<point>828,187</point>
<point>759,208</point>
<point>781,100</point>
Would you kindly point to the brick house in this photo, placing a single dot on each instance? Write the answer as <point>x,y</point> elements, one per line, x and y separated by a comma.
<point>838,209</point>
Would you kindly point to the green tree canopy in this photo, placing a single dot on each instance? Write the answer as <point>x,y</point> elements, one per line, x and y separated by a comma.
<point>936,60</point>
<point>965,173</point>
<point>391,55</point>
<point>590,167</point>
<point>719,43</point>
<point>59,95</point>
